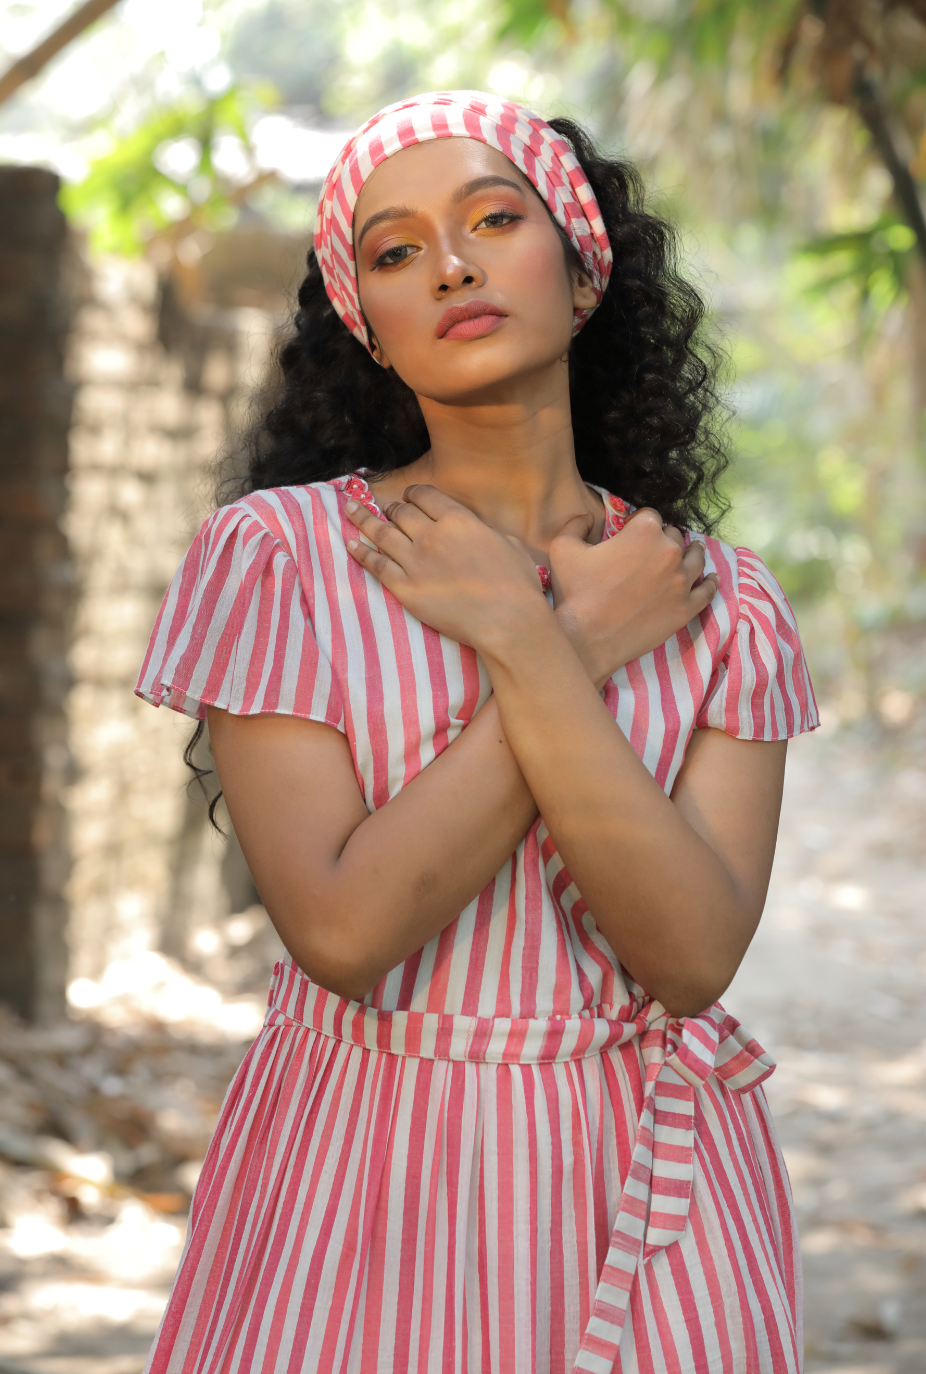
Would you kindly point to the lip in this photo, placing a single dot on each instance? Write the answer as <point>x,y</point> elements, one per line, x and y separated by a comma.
<point>469,320</point>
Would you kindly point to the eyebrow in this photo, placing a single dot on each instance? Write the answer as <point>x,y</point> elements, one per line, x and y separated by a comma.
<point>381,216</point>
<point>469,188</point>
<point>481,184</point>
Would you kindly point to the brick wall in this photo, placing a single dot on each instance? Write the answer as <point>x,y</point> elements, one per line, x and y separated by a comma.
<point>115,401</point>
<point>155,390</point>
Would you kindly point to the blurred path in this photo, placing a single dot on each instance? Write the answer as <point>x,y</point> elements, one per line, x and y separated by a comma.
<point>832,987</point>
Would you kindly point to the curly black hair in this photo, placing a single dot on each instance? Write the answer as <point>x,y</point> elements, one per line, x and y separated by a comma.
<point>647,416</point>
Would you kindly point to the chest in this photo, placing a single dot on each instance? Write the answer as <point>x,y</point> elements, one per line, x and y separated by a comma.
<point>408,691</point>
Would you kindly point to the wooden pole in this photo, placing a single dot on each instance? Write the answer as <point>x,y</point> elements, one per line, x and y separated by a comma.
<point>26,67</point>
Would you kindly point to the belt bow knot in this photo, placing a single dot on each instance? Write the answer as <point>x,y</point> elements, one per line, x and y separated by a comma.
<point>679,1056</point>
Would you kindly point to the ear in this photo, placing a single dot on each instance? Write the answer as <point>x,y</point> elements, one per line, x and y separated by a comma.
<point>378,353</point>
<point>583,295</point>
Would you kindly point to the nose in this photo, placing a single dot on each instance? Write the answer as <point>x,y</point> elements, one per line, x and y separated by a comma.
<point>453,273</point>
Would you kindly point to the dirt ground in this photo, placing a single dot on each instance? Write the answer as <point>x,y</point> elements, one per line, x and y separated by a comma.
<point>832,987</point>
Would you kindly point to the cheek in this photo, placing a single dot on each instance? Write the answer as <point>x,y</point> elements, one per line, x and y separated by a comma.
<point>533,277</point>
<point>393,316</point>
<point>539,279</point>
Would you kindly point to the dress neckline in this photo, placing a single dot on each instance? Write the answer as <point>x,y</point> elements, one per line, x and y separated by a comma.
<point>616,511</point>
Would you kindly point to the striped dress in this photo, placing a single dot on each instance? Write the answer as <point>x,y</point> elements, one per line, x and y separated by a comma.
<point>508,1159</point>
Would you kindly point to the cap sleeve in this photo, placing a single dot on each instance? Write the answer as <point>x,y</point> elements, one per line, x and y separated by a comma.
<point>761,688</point>
<point>234,630</point>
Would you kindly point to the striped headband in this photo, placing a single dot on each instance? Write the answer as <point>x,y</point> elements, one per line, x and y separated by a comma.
<point>544,157</point>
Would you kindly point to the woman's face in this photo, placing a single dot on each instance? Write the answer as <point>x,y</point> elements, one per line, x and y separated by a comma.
<point>463,277</point>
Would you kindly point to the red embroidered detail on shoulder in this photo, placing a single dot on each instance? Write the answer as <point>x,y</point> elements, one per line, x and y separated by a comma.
<point>546,580</point>
<point>618,511</point>
<point>357,489</point>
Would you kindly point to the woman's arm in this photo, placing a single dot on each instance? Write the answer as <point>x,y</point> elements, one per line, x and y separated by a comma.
<point>352,894</point>
<point>675,885</point>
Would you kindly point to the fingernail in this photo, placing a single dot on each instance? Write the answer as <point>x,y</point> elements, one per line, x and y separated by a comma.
<point>353,544</point>
<point>351,507</point>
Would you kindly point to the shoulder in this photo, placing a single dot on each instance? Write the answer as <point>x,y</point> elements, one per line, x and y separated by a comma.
<point>731,562</point>
<point>290,516</point>
<point>761,686</point>
<point>235,629</point>
<point>747,589</point>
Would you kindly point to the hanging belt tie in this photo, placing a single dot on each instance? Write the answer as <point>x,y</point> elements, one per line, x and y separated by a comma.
<point>679,1057</point>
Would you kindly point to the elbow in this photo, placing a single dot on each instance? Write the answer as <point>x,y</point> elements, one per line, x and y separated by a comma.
<point>687,1004</point>
<point>352,990</point>
<point>694,991</point>
<point>332,970</point>
<point>689,988</point>
<point>321,934</point>
<point>351,984</point>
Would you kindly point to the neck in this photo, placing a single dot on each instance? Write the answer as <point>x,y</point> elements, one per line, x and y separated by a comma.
<point>510,459</point>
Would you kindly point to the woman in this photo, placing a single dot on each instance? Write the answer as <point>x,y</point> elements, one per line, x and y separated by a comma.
<point>496,1119</point>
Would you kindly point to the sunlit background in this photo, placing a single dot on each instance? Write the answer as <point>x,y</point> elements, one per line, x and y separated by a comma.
<point>788,141</point>
<point>171,123</point>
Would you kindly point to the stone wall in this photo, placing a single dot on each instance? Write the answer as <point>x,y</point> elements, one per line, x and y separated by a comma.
<point>36,592</point>
<point>156,389</point>
<point>119,389</point>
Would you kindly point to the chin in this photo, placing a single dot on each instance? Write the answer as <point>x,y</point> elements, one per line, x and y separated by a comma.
<point>471,377</point>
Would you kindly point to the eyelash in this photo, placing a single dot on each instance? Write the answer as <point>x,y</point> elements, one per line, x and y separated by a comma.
<point>508,216</point>
<point>381,261</point>
<point>501,217</point>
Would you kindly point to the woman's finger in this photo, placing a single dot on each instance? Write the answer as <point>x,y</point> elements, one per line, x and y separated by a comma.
<point>645,516</point>
<point>674,535</point>
<point>693,560</point>
<point>411,520</point>
<point>431,500</point>
<point>703,594</point>
<point>383,568</point>
<point>382,533</point>
<point>577,528</point>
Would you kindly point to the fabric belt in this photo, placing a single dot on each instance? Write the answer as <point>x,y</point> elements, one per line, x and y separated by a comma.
<point>679,1056</point>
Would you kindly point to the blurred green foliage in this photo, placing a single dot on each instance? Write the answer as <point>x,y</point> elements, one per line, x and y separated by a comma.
<point>874,260</point>
<point>702,30</point>
<point>164,174</point>
<point>742,119</point>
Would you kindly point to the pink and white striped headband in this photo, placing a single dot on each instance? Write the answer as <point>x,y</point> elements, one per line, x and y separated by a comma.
<point>544,157</point>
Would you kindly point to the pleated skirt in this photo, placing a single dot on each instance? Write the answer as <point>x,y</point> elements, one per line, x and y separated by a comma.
<point>386,1195</point>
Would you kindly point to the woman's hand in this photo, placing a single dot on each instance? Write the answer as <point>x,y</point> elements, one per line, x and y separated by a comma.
<point>621,598</point>
<point>447,567</point>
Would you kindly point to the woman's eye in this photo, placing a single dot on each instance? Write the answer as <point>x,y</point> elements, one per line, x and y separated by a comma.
<point>496,218</point>
<point>399,252</point>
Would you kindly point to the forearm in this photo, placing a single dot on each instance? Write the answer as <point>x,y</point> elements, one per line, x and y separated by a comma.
<point>403,872</point>
<point>662,897</point>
